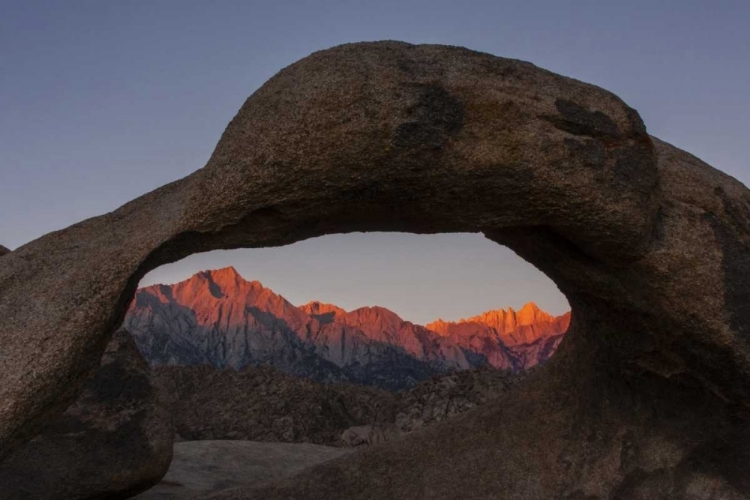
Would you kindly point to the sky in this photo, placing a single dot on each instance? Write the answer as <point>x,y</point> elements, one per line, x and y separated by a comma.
<point>101,102</point>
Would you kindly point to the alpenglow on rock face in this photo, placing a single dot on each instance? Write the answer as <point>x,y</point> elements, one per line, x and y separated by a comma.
<point>507,339</point>
<point>647,395</point>
<point>220,319</point>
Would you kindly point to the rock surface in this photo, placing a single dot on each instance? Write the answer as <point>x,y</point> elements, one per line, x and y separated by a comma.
<point>220,319</point>
<point>115,441</point>
<point>3,250</point>
<point>263,404</point>
<point>647,395</point>
<point>200,468</point>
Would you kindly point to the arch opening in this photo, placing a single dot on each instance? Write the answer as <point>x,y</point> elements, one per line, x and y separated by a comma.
<point>384,309</point>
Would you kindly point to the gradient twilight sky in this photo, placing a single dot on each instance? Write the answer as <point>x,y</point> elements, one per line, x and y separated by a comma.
<point>101,102</point>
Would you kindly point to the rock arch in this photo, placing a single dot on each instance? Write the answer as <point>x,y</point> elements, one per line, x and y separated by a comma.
<point>649,391</point>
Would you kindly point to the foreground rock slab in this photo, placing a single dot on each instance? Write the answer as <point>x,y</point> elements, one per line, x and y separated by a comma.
<point>200,468</point>
<point>648,395</point>
<point>115,441</point>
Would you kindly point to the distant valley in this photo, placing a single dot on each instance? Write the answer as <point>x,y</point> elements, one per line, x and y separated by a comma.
<point>220,319</point>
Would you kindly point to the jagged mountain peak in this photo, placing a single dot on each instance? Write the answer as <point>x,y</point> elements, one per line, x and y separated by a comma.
<point>207,291</point>
<point>531,306</point>
<point>504,320</point>
<point>223,276</point>
<point>525,326</point>
<point>218,317</point>
<point>317,307</point>
<point>376,311</point>
<point>375,321</point>
<point>228,272</point>
<point>227,277</point>
<point>325,313</point>
<point>531,313</point>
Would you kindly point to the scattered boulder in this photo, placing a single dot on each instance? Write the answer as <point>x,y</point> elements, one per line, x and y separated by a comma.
<point>648,395</point>
<point>200,468</point>
<point>114,441</point>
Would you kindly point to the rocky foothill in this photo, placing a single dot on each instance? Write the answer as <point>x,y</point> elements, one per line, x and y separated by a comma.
<point>264,404</point>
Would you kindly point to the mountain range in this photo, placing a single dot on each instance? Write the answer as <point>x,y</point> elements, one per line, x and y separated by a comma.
<point>218,318</point>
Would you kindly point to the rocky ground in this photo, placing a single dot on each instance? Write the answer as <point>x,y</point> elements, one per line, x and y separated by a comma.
<point>204,467</point>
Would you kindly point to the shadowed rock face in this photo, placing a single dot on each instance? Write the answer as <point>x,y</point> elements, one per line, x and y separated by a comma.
<point>113,442</point>
<point>647,396</point>
<point>3,250</point>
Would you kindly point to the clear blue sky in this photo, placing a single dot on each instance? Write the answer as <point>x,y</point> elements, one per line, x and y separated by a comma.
<point>103,101</point>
